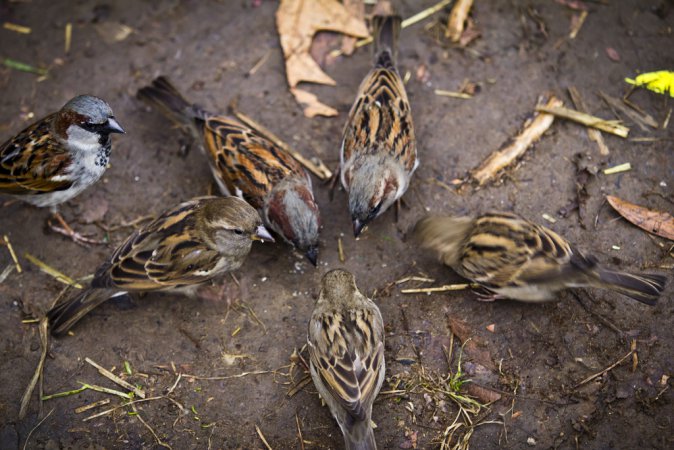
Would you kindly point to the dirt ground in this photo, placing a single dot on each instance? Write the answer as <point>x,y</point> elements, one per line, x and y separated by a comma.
<point>535,357</point>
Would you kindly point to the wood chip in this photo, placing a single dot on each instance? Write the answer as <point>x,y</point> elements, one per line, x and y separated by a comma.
<point>502,158</point>
<point>609,126</point>
<point>457,19</point>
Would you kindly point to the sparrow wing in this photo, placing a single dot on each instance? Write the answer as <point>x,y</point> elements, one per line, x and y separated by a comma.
<point>245,160</point>
<point>505,250</point>
<point>349,357</point>
<point>167,253</point>
<point>380,119</point>
<point>33,162</point>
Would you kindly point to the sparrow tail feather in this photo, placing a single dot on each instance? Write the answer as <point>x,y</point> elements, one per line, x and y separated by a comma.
<point>643,288</point>
<point>64,315</point>
<point>162,95</point>
<point>386,30</point>
<point>360,436</point>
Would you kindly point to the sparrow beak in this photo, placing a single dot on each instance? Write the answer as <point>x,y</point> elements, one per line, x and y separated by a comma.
<point>358,227</point>
<point>312,254</point>
<point>261,234</point>
<point>113,126</point>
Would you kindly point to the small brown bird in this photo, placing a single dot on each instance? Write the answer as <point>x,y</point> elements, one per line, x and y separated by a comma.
<point>520,260</point>
<point>59,156</point>
<point>183,248</point>
<point>247,164</point>
<point>346,348</point>
<point>379,150</point>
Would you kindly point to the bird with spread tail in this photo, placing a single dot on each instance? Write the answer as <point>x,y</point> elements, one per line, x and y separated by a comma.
<point>346,349</point>
<point>180,250</point>
<point>520,260</point>
<point>379,150</point>
<point>59,156</point>
<point>246,163</point>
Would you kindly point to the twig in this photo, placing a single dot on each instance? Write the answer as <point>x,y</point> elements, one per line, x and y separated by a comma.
<point>93,405</point>
<point>264,441</point>
<point>454,94</point>
<point>68,37</point>
<point>115,379</point>
<point>506,156</point>
<point>12,254</point>
<point>25,400</point>
<point>105,390</point>
<point>320,169</point>
<point>159,441</point>
<point>6,272</point>
<point>228,377</point>
<point>54,273</point>
<point>340,250</point>
<point>299,386</point>
<point>445,288</point>
<point>406,23</point>
<point>16,28</point>
<point>593,134</point>
<point>643,120</point>
<point>598,374</point>
<point>609,126</point>
<point>414,278</point>
<point>457,18</point>
<point>617,169</point>
<point>578,25</point>
<point>260,63</point>
<point>25,444</point>
<point>299,432</point>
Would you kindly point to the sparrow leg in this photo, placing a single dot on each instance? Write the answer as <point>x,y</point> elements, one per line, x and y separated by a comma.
<point>333,182</point>
<point>489,296</point>
<point>67,230</point>
<point>399,204</point>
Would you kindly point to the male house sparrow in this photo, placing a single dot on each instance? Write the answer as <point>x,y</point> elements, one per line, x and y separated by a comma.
<point>520,260</point>
<point>246,163</point>
<point>184,247</point>
<point>58,157</point>
<point>346,349</point>
<point>379,150</point>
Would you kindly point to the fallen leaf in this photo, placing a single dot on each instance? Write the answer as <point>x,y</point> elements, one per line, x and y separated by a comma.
<point>297,22</point>
<point>612,54</point>
<point>312,106</point>
<point>485,395</point>
<point>470,33</point>
<point>112,32</point>
<point>357,9</point>
<point>655,222</point>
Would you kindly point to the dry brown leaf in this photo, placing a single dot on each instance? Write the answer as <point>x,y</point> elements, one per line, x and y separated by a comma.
<point>312,106</point>
<point>485,395</point>
<point>357,9</point>
<point>297,22</point>
<point>656,222</point>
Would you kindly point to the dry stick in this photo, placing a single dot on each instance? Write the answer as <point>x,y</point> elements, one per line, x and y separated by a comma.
<point>612,366</point>
<point>340,250</point>
<point>54,273</point>
<point>594,135</point>
<point>228,377</point>
<point>264,441</point>
<point>25,444</point>
<point>578,25</point>
<point>25,400</point>
<point>643,120</point>
<point>299,386</point>
<point>454,94</point>
<point>457,18</point>
<point>299,432</point>
<point>115,379</point>
<point>506,156</point>
<point>609,126</point>
<point>320,169</point>
<point>406,23</point>
<point>93,405</point>
<point>159,441</point>
<point>12,254</point>
<point>445,288</point>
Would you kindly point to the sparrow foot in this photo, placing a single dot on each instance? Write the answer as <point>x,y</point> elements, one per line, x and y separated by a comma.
<point>66,230</point>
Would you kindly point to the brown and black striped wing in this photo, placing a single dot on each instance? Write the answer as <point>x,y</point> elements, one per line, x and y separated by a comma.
<point>33,162</point>
<point>506,250</point>
<point>381,119</point>
<point>167,253</point>
<point>349,357</point>
<point>245,160</point>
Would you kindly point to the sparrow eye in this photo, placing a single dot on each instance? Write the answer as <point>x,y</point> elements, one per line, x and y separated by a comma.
<point>238,231</point>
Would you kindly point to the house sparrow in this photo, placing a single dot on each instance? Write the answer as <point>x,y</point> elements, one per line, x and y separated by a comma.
<point>58,157</point>
<point>183,248</point>
<point>379,150</point>
<point>247,164</point>
<point>520,260</point>
<point>346,349</point>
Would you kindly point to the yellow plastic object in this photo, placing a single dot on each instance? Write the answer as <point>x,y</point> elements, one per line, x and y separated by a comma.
<point>661,81</point>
